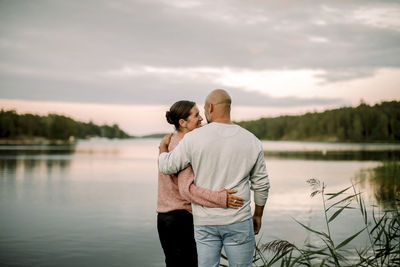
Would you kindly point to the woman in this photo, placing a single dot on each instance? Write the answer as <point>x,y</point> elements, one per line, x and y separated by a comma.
<point>175,193</point>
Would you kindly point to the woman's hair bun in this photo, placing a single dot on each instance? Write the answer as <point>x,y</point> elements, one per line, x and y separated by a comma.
<point>168,115</point>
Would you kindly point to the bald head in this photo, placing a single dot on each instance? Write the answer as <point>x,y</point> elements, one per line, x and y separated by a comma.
<point>219,96</point>
<point>218,106</point>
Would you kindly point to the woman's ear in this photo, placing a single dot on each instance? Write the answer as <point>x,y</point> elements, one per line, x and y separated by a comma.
<point>182,123</point>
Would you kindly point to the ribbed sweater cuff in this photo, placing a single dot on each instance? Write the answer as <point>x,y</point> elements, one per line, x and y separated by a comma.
<point>223,198</point>
<point>260,199</point>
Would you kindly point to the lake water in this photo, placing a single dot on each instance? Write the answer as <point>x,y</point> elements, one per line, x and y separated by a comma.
<point>94,205</point>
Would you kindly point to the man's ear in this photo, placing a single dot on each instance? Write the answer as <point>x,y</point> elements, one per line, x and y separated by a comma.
<point>211,108</point>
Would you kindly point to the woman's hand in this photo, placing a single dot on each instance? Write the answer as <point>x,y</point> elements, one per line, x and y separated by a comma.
<point>233,202</point>
<point>165,143</point>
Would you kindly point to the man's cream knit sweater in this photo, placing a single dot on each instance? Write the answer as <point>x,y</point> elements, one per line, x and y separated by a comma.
<point>222,156</point>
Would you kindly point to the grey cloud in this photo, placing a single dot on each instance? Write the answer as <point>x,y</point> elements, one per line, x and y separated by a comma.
<point>150,32</point>
<point>345,74</point>
<point>78,38</point>
<point>241,97</point>
<point>144,90</point>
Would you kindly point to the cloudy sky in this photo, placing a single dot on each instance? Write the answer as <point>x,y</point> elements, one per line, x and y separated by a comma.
<point>126,61</point>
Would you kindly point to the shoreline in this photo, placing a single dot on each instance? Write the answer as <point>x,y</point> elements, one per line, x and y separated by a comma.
<point>36,141</point>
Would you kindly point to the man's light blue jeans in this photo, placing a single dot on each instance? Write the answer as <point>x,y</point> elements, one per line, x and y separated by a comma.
<point>238,241</point>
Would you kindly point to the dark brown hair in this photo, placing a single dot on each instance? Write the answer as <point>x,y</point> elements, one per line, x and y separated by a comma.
<point>179,110</point>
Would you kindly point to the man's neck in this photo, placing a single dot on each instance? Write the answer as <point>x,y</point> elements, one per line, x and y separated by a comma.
<point>223,120</point>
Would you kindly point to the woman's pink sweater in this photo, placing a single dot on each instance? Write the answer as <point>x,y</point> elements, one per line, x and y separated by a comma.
<point>177,192</point>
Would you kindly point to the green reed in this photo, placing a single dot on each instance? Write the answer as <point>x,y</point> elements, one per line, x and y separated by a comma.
<point>381,225</point>
<point>383,230</point>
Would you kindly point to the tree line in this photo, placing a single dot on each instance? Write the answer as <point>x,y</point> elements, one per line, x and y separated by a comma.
<point>364,123</point>
<point>53,126</point>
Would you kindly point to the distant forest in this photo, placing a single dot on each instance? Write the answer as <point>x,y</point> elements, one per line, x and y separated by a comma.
<point>54,127</point>
<point>378,123</point>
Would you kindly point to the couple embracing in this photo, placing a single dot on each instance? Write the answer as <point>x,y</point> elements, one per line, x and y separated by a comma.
<point>208,172</point>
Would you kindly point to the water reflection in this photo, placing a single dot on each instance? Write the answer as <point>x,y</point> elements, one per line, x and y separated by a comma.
<point>23,171</point>
<point>8,187</point>
<point>384,183</point>
<point>36,150</point>
<point>91,206</point>
<point>350,155</point>
<point>94,205</point>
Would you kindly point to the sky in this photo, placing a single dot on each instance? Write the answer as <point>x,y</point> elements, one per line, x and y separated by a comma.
<point>127,61</point>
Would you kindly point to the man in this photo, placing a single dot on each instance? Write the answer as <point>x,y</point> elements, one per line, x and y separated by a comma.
<point>222,155</point>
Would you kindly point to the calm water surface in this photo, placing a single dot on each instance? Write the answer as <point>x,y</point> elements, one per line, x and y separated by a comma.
<point>94,205</point>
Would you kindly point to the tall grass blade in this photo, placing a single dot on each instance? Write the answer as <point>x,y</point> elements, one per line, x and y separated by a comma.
<point>295,262</point>
<point>377,223</point>
<point>333,253</point>
<point>345,242</point>
<point>277,257</point>
<point>364,211</point>
<point>343,200</point>
<point>333,195</point>
<point>311,230</point>
<point>320,252</point>
<point>279,247</point>
<point>337,213</point>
